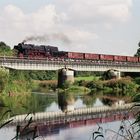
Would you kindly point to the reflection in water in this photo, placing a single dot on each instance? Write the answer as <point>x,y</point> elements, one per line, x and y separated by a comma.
<point>69,101</point>
<point>79,103</point>
<point>107,101</point>
<point>52,107</point>
<point>65,102</point>
<point>98,102</point>
<point>62,101</point>
<point>61,130</point>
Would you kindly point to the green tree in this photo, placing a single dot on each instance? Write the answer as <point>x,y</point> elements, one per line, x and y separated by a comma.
<point>5,49</point>
<point>138,50</point>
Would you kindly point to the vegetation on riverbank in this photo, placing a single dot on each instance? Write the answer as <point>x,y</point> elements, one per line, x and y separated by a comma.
<point>14,89</point>
<point>123,85</point>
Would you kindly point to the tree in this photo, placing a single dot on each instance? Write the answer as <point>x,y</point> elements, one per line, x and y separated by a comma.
<point>138,50</point>
<point>5,49</point>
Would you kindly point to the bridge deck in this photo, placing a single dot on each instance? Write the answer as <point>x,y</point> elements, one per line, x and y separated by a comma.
<point>80,65</point>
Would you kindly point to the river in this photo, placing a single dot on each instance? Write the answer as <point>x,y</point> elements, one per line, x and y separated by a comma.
<point>67,102</point>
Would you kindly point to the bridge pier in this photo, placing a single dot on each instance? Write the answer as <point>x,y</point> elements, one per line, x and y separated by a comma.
<point>112,73</point>
<point>118,74</point>
<point>65,75</point>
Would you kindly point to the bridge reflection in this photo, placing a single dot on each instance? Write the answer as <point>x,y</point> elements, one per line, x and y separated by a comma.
<point>44,129</point>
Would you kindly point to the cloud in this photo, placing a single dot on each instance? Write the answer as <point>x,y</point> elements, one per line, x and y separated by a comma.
<point>98,10</point>
<point>17,25</point>
<point>45,18</point>
<point>79,40</point>
<point>45,22</point>
<point>85,23</point>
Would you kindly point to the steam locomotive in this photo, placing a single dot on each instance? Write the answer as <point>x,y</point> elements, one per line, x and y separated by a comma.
<point>31,51</point>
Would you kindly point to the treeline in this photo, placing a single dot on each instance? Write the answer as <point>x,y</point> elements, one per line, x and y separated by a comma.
<point>17,79</point>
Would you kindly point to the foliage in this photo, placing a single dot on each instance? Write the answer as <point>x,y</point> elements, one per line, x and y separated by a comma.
<point>44,86</point>
<point>137,80</point>
<point>78,89</point>
<point>98,85</point>
<point>5,50</point>
<point>123,84</point>
<point>87,78</point>
<point>42,75</point>
<point>87,73</point>
<point>4,76</point>
<point>21,131</point>
<point>89,100</point>
<point>66,85</point>
<point>136,99</point>
<point>17,79</point>
<point>138,50</point>
<point>126,131</point>
<point>81,83</point>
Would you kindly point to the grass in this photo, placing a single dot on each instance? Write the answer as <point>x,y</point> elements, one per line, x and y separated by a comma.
<point>87,78</point>
<point>76,90</point>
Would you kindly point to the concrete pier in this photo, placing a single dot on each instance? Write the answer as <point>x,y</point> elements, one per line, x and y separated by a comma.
<point>65,75</point>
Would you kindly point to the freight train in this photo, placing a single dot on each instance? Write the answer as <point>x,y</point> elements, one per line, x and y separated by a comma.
<point>31,51</point>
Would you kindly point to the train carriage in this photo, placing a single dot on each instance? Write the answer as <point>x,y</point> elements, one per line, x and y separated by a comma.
<point>75,55</point>
<point>119,58</point>
<point>91,56</point>
<point>132,59</point>
<point>106,57</point>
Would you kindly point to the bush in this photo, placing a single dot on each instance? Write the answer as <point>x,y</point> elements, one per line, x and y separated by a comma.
<point>98,85</point>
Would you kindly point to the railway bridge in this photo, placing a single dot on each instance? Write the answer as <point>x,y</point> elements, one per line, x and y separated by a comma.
<point>75,65</point>
<point>84,65</point>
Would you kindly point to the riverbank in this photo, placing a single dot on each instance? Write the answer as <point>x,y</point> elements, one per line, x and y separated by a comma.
<point>125,86</point>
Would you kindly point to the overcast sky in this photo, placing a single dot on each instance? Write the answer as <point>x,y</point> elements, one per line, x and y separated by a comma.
<point>95,26</point>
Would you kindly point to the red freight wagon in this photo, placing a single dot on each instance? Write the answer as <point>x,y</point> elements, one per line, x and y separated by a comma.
<point>91,56</point>
<point>76,55</point>
<point>106,57</point>
<point>119,58</point>
<point>132,59</point>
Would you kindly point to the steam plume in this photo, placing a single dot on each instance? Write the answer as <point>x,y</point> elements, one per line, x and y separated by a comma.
<point>49,37</point>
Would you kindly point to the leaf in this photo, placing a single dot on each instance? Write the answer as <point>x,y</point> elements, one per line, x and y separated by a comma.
<point>29,122</point>
<point>6,123</point>
<point>98,136</point>
<point>5,113</point>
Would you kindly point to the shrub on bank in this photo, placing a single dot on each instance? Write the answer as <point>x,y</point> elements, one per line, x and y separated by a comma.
<point>124,85</point>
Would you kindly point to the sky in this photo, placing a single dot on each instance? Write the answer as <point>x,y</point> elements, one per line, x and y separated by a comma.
<point>93,26</point>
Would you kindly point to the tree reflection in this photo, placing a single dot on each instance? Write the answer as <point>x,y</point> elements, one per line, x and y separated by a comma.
<point>89,100</point>
<point>107,101</point>
<point>38,103</point>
